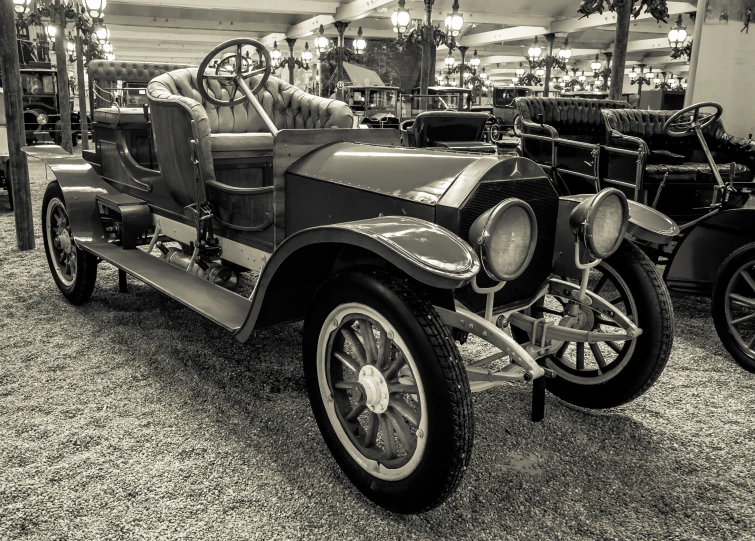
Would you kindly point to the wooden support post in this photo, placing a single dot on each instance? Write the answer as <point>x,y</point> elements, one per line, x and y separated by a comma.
<point>83,126</point>
<point>550,38</point>
<point>61,63</point>
<point>621,38</point>
<point>14,115</point>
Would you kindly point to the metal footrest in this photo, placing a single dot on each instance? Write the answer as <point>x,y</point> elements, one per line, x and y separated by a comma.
<point>214,302</point>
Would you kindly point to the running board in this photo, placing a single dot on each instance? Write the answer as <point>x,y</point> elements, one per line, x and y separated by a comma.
<point>214,302</point>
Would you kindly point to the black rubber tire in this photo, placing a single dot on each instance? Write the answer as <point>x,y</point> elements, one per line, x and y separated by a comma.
<point>57,134</point>
<point>86,263</point>
<point>735,261</point>
<point>655,316</point>
<point>448,397</point>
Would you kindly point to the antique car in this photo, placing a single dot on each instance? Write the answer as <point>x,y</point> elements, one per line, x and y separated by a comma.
<point>4,155</point>
<point>504,107</point>
<point>42,107</point>
<point>682,163</point>
<point>454,130</point>
<point>438,98</point>
<point>585,94</point>
<point>387,254</point>
<point>375,106</point>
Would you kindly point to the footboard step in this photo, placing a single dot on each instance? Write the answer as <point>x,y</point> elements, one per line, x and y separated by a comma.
<point>214,302</point>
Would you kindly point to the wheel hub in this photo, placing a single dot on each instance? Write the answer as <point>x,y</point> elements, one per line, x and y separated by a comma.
<point>375,389</point>
<point>65,241</point>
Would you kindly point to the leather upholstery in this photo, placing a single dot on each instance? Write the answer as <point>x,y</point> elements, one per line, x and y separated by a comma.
<point>692,169</point>
<point>133,72</point>
<point>648,126</point>
<point>173,91</point>
<point>431,127</point>
<point>569,116</point>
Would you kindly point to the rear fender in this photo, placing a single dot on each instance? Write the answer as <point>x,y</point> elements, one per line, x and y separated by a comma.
<point>427,253</point>
<point>80,185</point>
<point>700,253</point>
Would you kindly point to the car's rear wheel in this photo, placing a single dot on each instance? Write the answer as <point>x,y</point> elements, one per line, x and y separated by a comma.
<point>733,305</point>
<point>73,269</point>
<point>495,133</point>
<point>608,374</point>
<point>388,390</point>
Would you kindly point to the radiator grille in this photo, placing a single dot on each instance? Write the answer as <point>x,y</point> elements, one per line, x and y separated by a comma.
<point>541,196</point>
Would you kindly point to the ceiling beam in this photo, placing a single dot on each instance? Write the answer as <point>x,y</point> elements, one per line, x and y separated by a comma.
<point>512,19</point>
<point>308,27</point>
<point>358,9</point>
<point>504,34</point>
<point>192,24</point>
<point>268,6</point>
<point>648,45</point>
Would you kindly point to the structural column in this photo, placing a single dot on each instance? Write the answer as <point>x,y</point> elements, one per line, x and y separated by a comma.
<point>702,6</point>
<point>14,115</point>
<point>428,49</point>
<point>64,92</point>
<point>462,67</point>
<point>550,38</point>
<point>623,19</point>
<point>82,90</point>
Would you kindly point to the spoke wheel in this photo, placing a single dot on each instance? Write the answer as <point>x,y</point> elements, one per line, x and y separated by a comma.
<point>609,374</point>
<point>372,395</point>
<point>388,390</point>
<point>495,133</point>
<point>733,305</point>
<point>73,270</point>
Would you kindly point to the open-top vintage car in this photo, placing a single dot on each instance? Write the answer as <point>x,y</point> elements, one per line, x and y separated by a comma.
<point>504,106</point>
<point>682,163</point>
<point>375,106</point>
<point>388,254</point>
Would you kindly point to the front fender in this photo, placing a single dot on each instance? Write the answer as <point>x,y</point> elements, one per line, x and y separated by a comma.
<point>424,251</point>
<point>645,223</point>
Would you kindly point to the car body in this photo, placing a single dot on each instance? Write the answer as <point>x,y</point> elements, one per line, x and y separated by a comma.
<point>375,106</point>
<point>387,254</point>
<point>587,94</point>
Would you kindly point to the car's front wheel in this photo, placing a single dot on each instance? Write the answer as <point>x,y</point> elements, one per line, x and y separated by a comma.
<point>73,269</point>
<point>388,390</point>
<point>608,374</point>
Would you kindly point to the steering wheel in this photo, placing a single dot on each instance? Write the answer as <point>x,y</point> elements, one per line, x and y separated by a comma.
<point>229,79</point>
<point>679,125</point>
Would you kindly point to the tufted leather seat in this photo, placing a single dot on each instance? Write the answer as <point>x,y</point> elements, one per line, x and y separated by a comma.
<point>179,114</point>
<point>576,118</point>
<point>680,157</point>
<point>128,71</point>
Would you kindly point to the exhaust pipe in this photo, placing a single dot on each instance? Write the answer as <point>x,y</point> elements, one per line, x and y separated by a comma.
<point>212,272</point>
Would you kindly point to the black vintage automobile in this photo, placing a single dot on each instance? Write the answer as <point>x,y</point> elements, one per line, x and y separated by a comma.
<point>682,163</point>
<point>386,253</point>
<point>42,106</point>
<point>375,106</point>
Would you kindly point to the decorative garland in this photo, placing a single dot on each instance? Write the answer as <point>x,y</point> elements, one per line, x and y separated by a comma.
<point>657,8</point>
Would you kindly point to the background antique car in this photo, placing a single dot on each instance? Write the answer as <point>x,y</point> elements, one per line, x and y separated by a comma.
<point>504,107</point>
<point>666,159</point>
<point>382,251</point>
<point>375,106</point>
<point>42,108</point>
<point>452,130</point>
<point>4,155</point>
<point>438,98</point>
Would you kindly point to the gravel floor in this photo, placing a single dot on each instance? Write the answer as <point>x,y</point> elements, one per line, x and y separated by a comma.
<point>133,417</point>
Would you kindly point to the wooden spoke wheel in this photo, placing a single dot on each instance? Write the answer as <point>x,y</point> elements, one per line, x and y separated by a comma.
<point>388,390</point>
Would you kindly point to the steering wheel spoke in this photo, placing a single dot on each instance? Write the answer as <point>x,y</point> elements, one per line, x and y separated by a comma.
<point>226,74</point>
